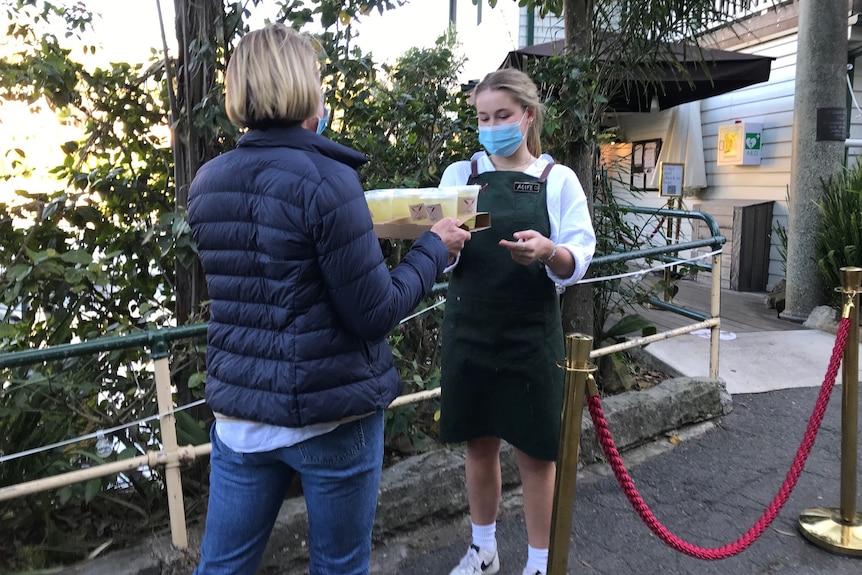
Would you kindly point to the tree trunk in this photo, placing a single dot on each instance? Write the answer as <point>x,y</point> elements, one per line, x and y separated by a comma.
<point>578,310</point>
<point>195,25</point>
<point>821,73</point>
<point>192,146</point>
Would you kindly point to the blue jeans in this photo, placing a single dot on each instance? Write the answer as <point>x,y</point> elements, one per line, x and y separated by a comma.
<point>340,473</point>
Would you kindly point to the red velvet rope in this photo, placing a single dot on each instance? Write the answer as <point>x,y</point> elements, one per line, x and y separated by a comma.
<point>756,530</point>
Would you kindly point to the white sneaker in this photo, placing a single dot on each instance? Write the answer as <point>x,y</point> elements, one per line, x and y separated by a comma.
<point>477,561</point>
<point>528,571</point>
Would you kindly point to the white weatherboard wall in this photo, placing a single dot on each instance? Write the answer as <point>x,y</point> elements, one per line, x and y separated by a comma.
<point>769,103</point>
<point>545,29</point>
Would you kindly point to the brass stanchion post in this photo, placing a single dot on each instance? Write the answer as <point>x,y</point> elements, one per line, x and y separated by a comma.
<point>840,530</point>
<point>578,371</point>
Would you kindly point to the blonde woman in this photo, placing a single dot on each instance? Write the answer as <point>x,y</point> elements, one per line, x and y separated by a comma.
<point>299,372</point>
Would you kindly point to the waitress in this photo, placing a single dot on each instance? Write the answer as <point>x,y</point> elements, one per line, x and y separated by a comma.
<point>502,330</point>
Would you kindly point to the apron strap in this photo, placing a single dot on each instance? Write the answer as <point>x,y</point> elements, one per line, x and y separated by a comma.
<point>545,172</point>
<point>474,170</point>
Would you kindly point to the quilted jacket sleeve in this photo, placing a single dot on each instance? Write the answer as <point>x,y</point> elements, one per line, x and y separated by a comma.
<point>368,298</point>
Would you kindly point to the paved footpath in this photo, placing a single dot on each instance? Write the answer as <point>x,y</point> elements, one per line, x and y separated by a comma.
<point>709,490</point>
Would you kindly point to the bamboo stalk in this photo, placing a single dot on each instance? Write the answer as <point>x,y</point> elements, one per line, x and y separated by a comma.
<point>150,459</point>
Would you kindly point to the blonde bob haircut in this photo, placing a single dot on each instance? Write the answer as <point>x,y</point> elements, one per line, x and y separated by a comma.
<point>272,79</point>
<point>523,90</point>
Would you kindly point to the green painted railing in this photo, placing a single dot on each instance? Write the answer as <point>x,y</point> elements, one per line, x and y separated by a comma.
<point>156,339</point>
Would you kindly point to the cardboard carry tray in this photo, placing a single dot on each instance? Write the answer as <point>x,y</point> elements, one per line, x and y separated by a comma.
<point>405,229</point>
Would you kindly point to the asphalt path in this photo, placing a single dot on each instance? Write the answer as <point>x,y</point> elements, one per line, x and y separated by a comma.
<point>709,490</point>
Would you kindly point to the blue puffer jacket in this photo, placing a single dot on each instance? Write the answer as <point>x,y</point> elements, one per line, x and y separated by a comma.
<point>301,299</point>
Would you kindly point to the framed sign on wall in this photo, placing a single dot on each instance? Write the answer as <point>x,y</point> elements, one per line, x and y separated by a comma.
<point>670,179</point>
<point>644,160</point>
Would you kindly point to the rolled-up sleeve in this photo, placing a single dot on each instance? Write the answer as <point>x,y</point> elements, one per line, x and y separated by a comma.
<point>571,223</point>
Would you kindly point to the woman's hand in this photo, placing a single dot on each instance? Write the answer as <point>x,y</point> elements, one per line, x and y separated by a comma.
<point>453,236</point>
<point>528,246</point>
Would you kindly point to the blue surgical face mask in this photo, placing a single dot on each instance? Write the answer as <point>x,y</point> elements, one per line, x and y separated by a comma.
<point>502,139</point>
<point>321,122</point>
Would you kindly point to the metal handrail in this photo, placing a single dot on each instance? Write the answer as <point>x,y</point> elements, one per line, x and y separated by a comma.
<point>718,239</point>
<point>155,339</point>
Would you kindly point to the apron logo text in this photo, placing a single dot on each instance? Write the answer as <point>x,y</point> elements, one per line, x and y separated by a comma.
<point>527,187</point>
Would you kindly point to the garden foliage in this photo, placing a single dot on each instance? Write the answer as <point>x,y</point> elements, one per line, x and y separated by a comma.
<point>839,241</point>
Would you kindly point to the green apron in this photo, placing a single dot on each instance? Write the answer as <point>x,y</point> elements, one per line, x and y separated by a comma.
<point>502,331</point>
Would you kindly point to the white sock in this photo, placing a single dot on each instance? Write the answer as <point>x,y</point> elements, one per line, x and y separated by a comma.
<point>537,559</point>
<point>485,536</point>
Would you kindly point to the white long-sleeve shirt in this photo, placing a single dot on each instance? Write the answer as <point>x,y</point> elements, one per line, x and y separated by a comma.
<point>571,225</point>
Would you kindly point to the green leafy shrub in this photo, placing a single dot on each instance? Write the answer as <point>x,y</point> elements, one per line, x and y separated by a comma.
<point>839,241</point>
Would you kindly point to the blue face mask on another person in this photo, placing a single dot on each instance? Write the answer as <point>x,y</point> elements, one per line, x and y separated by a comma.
<point>321,122</point>
<point>503,139</point>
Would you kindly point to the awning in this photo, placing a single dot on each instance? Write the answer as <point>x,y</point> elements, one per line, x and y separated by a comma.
<point>705,72</point>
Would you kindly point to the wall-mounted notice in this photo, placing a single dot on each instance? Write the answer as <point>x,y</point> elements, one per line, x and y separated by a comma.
<point>644,158</point>
<point>670,179</point>
<point>831,125</point>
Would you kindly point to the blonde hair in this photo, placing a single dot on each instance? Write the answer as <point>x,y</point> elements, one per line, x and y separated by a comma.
<point>524,91</point>
<point>272,78</point>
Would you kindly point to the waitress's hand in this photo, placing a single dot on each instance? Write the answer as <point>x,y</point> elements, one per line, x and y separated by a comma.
<point>527,246</point>
<point>453,236</point>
